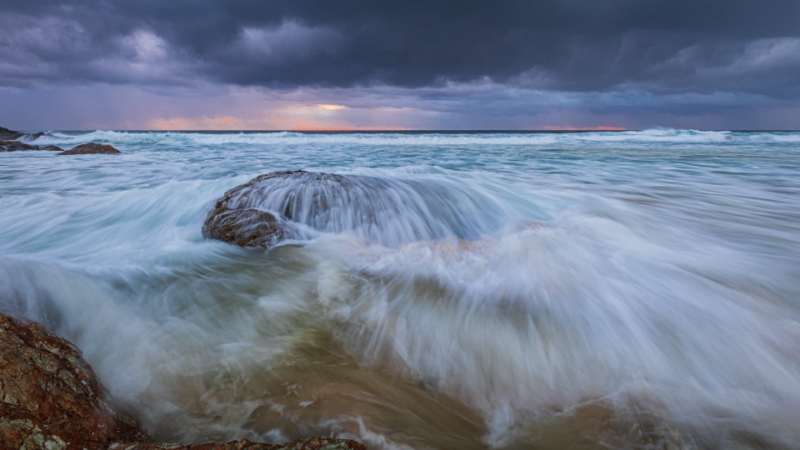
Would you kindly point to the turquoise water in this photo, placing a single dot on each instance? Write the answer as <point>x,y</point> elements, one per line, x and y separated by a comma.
<point>651,275</point>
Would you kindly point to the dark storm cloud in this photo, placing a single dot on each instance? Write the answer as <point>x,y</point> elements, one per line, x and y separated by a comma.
<point>657,46</point>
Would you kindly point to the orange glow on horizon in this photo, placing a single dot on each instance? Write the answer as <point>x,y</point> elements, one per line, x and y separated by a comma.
<point>274,124</point>
<point>347,128</point>
<point>568,128</point>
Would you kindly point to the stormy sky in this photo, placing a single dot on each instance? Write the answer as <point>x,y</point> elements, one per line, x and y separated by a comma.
<point>338,64</point>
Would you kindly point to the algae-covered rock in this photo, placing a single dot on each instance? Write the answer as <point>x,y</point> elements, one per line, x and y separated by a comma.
<point>50,399</point>
<point>49,396</point>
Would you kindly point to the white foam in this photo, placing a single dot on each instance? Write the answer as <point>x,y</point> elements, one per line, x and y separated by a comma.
<point>659,135</point>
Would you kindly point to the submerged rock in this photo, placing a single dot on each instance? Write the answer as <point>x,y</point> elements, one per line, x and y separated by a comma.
<point>92,148</point>
<point>247,227</point>
<point>17,146</point>
<point>49,396</point>
<point>386,211</point>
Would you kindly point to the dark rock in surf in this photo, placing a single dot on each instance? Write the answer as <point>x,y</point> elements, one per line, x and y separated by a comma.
<point>87,149</point>
<point>17,146</point>
<point>247,228</point>
<point>231,221</point>
<point>49,396</point>
<point>10,135</point>
<point>390,212</point>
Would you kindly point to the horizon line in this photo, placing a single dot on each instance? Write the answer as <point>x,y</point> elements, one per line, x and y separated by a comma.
<point>407,131</point>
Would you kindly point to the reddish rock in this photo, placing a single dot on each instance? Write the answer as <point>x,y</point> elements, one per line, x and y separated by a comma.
<point>233,220</point>
<point>229,222</point>
<point>49,396</point>
<point>50,399</point>
<point>247,228</point>
<point>92,148</point>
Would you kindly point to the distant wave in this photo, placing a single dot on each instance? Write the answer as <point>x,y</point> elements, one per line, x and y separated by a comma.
<point>658,135</point>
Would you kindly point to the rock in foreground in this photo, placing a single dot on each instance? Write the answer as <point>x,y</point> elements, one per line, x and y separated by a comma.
<point>49,396</point>
<point>50,399</point>
<point>92,148</point>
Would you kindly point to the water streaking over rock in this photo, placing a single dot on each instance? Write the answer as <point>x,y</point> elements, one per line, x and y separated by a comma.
<point>274,207</point>
<point>622,290</point>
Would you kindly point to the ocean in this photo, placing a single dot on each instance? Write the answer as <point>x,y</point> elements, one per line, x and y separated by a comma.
<point>479,290</point>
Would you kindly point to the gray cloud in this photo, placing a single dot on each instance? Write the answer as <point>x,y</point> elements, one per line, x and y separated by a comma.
<point>566,45</point>
<point>506,58</point>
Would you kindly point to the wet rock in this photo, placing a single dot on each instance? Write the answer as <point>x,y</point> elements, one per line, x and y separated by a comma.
<point>386,211</point>
<point>92,148</point>
<point>17,146</point>
<point>10,135</point>
<point>247,227</point>
<point>302,444</point>
<point>49,396</point>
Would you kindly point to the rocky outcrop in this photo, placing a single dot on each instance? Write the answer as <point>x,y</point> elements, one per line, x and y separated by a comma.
<point>92,148</point>
<point>16,146</point>
<point>50,399</point>
<point>232,221</point>
<point>10,135</point>
<point>49,396</point>
<point>298,204</point>
<point>247,228</point>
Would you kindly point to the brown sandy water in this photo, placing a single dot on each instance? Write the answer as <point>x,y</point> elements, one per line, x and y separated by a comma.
<point>321,389</point>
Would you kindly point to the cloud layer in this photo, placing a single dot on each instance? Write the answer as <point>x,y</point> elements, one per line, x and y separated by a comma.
<point>507,59</point>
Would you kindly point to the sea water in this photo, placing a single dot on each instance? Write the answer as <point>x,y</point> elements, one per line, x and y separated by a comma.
<point>520,290</point>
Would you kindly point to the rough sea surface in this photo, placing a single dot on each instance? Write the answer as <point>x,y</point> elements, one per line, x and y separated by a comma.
<point>522,290</point>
